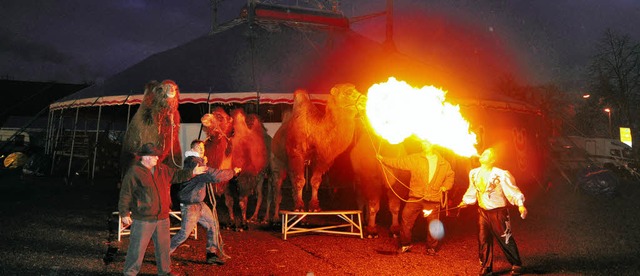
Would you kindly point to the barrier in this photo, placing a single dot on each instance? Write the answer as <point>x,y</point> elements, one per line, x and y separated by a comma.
<point>124,230</point>
<point>290,220</point>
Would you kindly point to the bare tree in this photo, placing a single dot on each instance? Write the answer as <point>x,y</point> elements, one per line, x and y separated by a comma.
<point>615,78</point>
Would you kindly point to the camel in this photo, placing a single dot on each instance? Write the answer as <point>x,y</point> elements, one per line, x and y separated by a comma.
<point>312,138</point>
<point>371,181</point>
<point>237,141</point>
<point>156,121</point>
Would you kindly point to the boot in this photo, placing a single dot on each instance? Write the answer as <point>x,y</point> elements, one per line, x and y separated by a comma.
<point>212,258</point>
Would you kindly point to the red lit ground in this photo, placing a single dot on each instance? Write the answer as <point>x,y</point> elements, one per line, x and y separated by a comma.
<point>50,228</point>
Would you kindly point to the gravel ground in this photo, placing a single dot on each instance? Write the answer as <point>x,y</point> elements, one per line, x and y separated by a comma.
<point>52,228</point>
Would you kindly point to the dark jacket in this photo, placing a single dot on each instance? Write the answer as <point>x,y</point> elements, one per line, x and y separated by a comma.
<point>192,191</point>
<point>146,194</point>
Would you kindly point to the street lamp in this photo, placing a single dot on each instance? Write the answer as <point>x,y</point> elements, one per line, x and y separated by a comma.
<point>608,110</point>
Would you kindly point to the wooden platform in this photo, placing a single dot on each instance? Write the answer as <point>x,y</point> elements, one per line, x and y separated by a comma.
<point>353,225</point>
<point>124,230</point>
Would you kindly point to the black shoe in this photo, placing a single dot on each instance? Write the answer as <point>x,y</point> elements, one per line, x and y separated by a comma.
<point>516,270</point>
<point>485,271</point>
<point>212,258</point>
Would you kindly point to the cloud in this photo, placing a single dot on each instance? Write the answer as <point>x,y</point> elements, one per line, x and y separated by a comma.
<point>29,50</point>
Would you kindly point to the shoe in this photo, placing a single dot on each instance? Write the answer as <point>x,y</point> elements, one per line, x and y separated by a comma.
<point>404,248</point>
<point>431,252</point>
<point>212,258</point>
<point>516,270</point>
<point>485,271</point>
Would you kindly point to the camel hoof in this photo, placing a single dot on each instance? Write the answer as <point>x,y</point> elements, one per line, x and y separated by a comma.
<point>372,232</point>
<point>229,226</point>
<point>314,206</point>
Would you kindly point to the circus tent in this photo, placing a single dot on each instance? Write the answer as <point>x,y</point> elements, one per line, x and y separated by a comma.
<point>258,59</point>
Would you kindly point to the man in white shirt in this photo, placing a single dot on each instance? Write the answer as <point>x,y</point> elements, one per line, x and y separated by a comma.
<point>492,188</point>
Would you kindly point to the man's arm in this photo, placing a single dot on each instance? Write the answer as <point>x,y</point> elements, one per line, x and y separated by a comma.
<point>124,202</point>
<point>448,178</point>
<point>470,196</point>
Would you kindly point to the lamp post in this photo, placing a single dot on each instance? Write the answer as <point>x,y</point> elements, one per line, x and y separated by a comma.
<point>608,110</point>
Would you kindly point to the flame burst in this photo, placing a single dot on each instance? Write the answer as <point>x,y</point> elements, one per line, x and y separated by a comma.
<point>397,110</point>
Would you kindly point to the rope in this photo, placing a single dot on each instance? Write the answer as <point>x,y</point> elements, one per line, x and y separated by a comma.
<point>386,170</point>
<point>173,154</point>
<point>218,237</point>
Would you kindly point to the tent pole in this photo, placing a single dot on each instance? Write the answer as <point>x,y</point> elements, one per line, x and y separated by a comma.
<point>73,143</point>
<point>128,116</point>
<point>95,146</point>
<point>47,145</point>
<point>208,111</point>
<point>55,141</point>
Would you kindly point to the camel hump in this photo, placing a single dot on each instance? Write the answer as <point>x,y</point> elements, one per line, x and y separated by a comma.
<point>303,107</point>
<point>301,98</point>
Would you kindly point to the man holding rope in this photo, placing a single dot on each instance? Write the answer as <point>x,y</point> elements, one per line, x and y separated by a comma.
<point>431,175</point>
<point>193,208</point>
<point>492,188</point>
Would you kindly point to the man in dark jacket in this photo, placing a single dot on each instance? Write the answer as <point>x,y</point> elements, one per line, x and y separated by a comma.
<point>193,208</point>
<point>144,204</point>
<point>431,175</point>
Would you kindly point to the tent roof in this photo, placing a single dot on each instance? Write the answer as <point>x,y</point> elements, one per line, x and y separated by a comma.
<point>266,60</point>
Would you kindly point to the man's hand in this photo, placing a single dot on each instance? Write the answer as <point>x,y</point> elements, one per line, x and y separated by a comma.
<point>462,205</point>
<point>199,170</point>
<point>237,170</point>
<point>523,211</point>
<point>443,189</point>
<point>126,221</point>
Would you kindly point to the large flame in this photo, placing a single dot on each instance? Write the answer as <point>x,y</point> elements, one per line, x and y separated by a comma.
<point>396,110</point>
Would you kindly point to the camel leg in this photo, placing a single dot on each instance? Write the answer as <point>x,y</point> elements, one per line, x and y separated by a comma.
<point>259,182</point>
<point>394,208</point>
<point>274,194</point>
<point>297,177</point>
<point>298,186</point>
<point>316,180</point>
<point>372,211</point>
<point>228,200</point>
<point>242,201</point>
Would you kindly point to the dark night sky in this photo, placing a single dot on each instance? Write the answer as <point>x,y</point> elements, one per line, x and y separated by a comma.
<point>89,40</point>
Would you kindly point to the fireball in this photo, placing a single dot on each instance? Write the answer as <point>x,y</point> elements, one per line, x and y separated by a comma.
<point>396,110</point>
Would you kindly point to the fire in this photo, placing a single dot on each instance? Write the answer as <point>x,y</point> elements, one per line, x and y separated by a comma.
<point>397,110</point>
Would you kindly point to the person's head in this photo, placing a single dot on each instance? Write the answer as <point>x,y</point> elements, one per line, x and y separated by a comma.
<point>198,146</point>
<point>148,154</point>
<point>488,157</point>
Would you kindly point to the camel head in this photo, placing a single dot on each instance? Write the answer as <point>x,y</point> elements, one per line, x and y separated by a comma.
<point>161,95</point>
<point>217,123</point>
<point>347,97</point>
